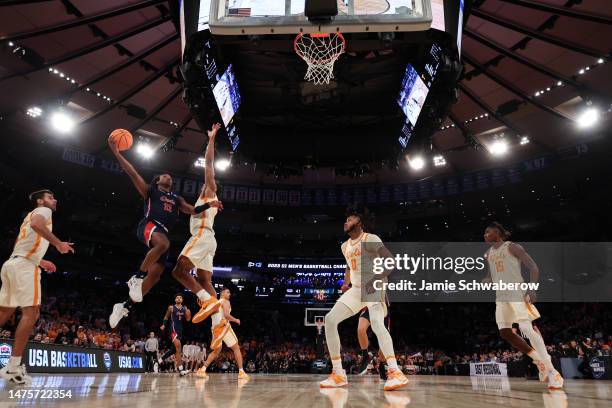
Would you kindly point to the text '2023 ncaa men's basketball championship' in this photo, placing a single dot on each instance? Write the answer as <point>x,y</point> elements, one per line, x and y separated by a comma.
<point>298,203</point>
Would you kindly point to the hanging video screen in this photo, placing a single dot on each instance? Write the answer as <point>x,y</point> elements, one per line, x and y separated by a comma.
<point>227,95</point>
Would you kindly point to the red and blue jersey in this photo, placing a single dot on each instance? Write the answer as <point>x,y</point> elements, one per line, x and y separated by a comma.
<point>161,207</point>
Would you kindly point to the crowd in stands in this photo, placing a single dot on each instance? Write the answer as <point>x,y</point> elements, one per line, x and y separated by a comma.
<point>272,342</point>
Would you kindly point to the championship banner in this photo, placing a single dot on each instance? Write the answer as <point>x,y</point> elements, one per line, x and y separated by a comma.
<point>490,369</point>
<point>344,195</point>
<point>254,195</point>
<point>52,358</point>
<point>242,194</point>
<point>228,193</point>
<point>295,198</point>
<point>268,197</point>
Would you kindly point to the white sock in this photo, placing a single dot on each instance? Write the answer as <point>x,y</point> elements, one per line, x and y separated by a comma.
<point>216,317</point>
<point>392,363</point>
<point>204,368</point>
<point>203,295</point>
<point>377,317</point>
<point>337,365</point>
<point>181,368</point>
<point>537,342</point>
<point>14,362</point>
<point>339,313</point>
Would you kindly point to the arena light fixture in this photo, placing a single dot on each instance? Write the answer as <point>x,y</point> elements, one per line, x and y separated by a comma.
<point>416,163</point>
<point>200,162</point>
<point>145,150</point>
<point>439,161</point>
<point>499,147</point>
<point>34,111</point>
<point>588,118</point>
<point>524,140</point>
<point>222,164</point>
<point>62,122</point>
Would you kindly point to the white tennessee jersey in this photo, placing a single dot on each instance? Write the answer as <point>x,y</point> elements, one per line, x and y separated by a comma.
<point>30,244</point>
<point>367,245</point>
<point>205,220</point>
<point>229,310</point>
<point>504,266</point>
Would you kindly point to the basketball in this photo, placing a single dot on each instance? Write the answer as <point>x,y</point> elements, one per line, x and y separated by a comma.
<point>122,138</point>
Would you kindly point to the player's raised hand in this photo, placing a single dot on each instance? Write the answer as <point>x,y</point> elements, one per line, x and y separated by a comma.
<point>112,143</point>
<point>65,247</point>
<point>47,266</point>
<point>216,204</point>
<point>162,327</point>
<point>237,321</point>
<point>213,132</point>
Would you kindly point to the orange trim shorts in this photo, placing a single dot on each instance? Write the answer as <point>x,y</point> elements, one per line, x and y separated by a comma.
<point>200,250</point>
<point>20,283</point>
<point>507,313</point>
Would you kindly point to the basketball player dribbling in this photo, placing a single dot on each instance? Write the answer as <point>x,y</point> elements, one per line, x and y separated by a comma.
<point>175,315</point>
<point>200,250</point>
<point>161,213</point>
<point>505,259</point>
<point>223,333</point>
<point>21,277</point>
<point>360,244</point>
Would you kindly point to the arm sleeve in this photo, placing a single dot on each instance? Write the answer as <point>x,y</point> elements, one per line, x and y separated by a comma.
<point>44,211</point>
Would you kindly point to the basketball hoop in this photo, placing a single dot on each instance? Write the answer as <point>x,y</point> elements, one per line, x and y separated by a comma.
<point>320,51</point>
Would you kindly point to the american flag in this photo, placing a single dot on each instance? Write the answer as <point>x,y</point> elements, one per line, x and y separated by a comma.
<point>239,12</point>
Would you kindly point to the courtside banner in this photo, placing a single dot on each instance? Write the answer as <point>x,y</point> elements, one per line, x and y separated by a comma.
<point>52,358</point>
<point>518,272</point>
<point>490,369</point>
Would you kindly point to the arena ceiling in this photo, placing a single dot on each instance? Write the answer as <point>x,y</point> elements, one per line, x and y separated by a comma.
<point>530,68</point>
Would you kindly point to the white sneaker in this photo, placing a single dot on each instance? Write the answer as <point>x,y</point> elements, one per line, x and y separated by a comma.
<point>183,372</point>
<point>17,375</point>
<point>395,380</point>
<point>156,368</point>
<point>119,312</point>
<point>135,285</point>
<point>336,379</point>
<point>555,381</point>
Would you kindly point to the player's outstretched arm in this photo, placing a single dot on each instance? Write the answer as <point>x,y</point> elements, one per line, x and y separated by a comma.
<point>139,183</point>
<point>39,225</point>
<point>187,314</point>
<point>209,160</point>
<point>191,210</point>
<point>166,317</point>
<point>534,272</point>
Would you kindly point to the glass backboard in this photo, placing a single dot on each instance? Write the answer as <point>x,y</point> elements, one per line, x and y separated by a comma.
<point>239,17</point>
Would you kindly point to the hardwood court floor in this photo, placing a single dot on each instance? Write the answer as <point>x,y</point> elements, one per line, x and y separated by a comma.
<point>302,391</point>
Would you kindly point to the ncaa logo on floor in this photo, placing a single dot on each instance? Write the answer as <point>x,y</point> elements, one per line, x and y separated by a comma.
<point>5,353</point>
<point>107,361</point>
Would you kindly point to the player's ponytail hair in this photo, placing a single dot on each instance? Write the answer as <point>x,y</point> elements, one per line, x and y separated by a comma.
<point>364,214</point>
<point>503,232</point>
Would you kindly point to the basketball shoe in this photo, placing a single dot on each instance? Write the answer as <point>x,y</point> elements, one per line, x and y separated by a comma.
<point>336,379</point>
<point>396,380</point>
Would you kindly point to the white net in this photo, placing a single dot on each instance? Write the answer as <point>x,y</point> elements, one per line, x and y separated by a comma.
<point>320,51</point>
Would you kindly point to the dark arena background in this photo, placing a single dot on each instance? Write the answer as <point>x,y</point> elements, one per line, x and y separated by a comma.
<point>415,121</point>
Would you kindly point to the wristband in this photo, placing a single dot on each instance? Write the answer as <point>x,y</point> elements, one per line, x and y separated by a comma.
<point>201,208</point>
